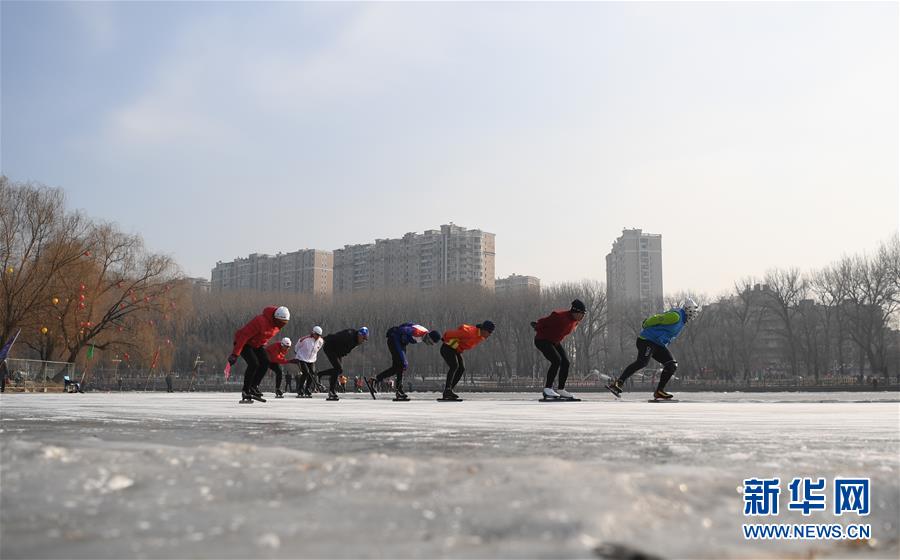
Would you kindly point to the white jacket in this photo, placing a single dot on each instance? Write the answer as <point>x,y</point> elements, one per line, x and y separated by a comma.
<point>308,348</point>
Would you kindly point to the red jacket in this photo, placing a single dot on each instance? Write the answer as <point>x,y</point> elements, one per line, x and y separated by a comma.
<point>556,326</point>
<point>464,338</point>
<point>277,352</point>
<point>257,332</point>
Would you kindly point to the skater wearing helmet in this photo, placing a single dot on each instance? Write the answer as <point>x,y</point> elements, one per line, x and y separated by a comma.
<point>658,332</point>
<point>276,352</point>
<point>549,334</point>
<point>338,345</point>
<point>305,356</point>
<point>397,339</point>
<point>249,343</point>
<point>457,341</point>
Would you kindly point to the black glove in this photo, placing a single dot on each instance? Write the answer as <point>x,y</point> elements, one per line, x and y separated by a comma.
<point>534,325</point>
<point>232,359</point>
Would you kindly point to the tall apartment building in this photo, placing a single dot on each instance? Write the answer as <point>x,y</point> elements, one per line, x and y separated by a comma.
<point>634,272</point>
<point>451,255</point>
<point>515,284</point>
<point>308,271</point>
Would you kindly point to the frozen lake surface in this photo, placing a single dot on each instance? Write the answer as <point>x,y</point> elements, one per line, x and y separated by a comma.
<point>156,475</point>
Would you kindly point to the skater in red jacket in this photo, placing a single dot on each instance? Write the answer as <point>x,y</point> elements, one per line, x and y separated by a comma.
<point>457,341</point>
<point>549,334</point>
<point>276,353</point>
<point>249,343</point>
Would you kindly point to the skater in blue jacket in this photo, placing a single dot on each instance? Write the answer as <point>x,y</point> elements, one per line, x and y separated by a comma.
<point>658,332</point>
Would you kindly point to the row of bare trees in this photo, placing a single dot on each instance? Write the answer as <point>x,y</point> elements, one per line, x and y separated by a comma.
<point>71,284</point>
<point>837,321</point>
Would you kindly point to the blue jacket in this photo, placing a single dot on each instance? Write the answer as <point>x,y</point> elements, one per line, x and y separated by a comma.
<point>663,328</point>
<point>400,336</point>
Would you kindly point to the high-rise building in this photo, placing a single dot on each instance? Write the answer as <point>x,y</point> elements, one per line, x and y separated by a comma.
<point>634,272</point>
<point>307,271</point>
<point>515,284</point>
<point>451,255</point>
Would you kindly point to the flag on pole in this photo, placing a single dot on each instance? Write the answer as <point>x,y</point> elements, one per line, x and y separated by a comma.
<point>8,346</point>
<point>90,353</point>
<point>155,359</point>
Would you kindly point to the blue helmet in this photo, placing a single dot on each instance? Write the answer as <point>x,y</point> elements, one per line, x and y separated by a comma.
<point>363,332</point>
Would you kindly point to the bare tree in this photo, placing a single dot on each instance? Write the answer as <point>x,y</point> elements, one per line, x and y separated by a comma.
<point>39,242</point>
<point>787,288</point>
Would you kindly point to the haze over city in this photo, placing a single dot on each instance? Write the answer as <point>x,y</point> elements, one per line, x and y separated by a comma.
<point>749,136</point>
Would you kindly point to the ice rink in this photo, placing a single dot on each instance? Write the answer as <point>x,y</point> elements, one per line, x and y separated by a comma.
<point>156,475</point>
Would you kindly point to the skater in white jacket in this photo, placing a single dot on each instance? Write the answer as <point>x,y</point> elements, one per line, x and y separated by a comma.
<point>305,356</point>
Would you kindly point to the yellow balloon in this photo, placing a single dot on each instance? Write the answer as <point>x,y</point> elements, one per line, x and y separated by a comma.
<point>55,300</point>
<point>44,330</point>
<point>10,270</point>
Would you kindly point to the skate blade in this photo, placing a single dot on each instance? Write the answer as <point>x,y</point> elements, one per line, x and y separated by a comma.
<point>617,395</point>
<point>449,400</point>
<point>401,400</point>
<point>559,400</point>
<point>663,400</point>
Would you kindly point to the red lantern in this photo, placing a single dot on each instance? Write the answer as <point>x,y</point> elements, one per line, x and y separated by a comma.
<point>81,305</point>
<point>82,287</point>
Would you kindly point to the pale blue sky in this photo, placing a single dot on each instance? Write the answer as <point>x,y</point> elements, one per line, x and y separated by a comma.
<point>750,135</point>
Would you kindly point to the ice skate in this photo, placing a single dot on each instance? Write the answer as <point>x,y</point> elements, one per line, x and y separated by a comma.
<point>449,396</point>
<point>615,387</point>
<point>549,395</point>
<point>661,395</point>
<point>370,384</point>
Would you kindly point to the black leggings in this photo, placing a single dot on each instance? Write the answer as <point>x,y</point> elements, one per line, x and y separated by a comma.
<point>333,372</point>
<point>457,366</point>
<point>396,366</point>
<point>257,365</point>
<point>278,374</point>
<point>305,378</point>
<point>661,354</point>
<point>559,363</point>
<point>288,386</point>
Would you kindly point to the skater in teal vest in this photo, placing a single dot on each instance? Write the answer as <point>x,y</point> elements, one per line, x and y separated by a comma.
<point>658,332</point>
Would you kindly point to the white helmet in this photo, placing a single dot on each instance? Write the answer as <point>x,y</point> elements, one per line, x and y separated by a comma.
<point>283,314</point>
<point>286,342</point>
<point>317,330</point>
<point>691,309</point>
